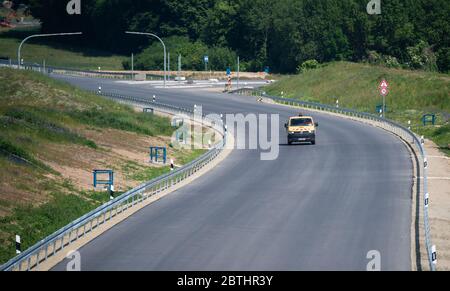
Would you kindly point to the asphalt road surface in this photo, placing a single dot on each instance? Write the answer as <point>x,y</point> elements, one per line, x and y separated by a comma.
<point>320,207</point>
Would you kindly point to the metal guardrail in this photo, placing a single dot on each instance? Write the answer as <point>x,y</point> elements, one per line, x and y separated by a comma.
<point>398,129</point>
<point>75,72</point>
<point>82,227</point>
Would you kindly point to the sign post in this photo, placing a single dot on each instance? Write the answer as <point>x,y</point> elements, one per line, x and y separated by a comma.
<point>206,60</point>
<point>384,91</point>
<point>228,79</point>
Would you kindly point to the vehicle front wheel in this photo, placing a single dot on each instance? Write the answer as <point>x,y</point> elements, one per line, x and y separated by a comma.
<point>313,142</point>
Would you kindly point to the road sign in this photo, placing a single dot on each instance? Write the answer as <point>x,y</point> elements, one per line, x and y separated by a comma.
<point>384,84</point>
<point>384,91</point>
<point>384,88</point>
<point>228,71</point>
<point>206,59</point>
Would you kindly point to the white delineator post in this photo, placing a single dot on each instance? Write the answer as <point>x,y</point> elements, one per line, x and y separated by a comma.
<point>18,245</point>
<point>434,255</point>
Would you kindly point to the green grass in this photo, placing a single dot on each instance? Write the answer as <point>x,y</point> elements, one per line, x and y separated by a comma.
<point>412,93</point>
<point>184,158</point>
<point>34,223</point>
<point>148,174</point>
<point>142,123</point>
<point>9,150</point>
<point>440,135</point>
<point>55,54</point>
<point>38,121</point>
<point>137,172</point>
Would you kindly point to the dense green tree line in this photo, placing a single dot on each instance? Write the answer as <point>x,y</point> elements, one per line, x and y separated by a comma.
<point>282,34</point>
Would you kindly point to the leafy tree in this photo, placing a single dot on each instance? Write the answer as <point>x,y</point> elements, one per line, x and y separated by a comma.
<point>281,34</point>
<point>152,58</point>
<point>220,58</point>
<point>422,57</point>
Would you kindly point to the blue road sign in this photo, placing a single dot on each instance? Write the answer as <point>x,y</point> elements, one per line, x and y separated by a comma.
<point>267,70</point>
<point>228,71</point>
<point>206,59</point>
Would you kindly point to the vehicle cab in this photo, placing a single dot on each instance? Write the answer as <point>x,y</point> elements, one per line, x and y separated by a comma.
<point>301,129</point>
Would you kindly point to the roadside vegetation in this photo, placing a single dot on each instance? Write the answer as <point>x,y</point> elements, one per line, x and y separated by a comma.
<point>55,52</point>
<point>412,93</point>
<point>279,34</point>
<point>52,136</point>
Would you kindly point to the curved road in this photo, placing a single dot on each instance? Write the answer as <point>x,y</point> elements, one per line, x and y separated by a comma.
<point>320,207</point>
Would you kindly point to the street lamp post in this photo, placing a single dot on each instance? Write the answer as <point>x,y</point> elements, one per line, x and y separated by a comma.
<point>132,66</point>
<point>164,46</point>
<point>40,35</point>
<point>238,71</point>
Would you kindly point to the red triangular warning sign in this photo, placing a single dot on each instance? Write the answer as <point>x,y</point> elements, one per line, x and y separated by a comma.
<point>384,84</point>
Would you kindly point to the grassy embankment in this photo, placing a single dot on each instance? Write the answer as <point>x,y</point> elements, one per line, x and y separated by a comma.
<point>52,136</point>
<point>412,93</point>
<point>55,54</point>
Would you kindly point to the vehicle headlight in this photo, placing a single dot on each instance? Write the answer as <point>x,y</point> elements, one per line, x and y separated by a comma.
<point>312,131</point>
<point>291,132</point>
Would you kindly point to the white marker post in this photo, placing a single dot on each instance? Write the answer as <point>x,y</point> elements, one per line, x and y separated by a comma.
<point>172,165</point>
<point>18,245</point>
<point>154,98</point>
<point>434,255</point>
<point>111,192</point>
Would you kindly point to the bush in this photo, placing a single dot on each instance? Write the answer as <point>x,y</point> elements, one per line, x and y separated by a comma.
<point>374,58</point>
<point>422,57</point>
<point>391,62</point>
<point>308,65</point>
